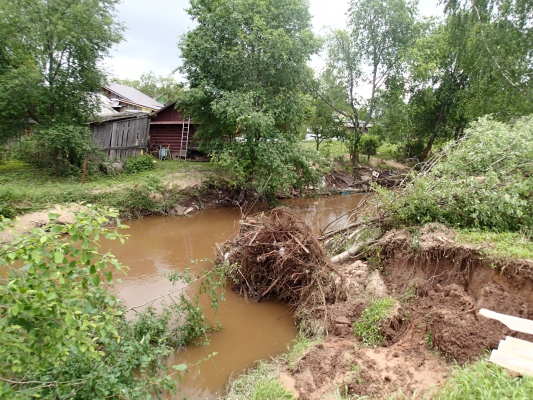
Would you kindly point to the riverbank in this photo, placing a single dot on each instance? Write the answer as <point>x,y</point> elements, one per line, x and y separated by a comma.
<point>172,188</point>
<point>403,320</point>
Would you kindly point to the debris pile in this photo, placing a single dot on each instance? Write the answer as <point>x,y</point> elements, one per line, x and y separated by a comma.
<point>279,256</point>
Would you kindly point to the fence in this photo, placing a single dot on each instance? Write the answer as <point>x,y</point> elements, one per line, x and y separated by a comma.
<point>122,135</point>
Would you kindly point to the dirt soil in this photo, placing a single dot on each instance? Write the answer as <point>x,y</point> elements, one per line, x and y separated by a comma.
<point>440,287</point>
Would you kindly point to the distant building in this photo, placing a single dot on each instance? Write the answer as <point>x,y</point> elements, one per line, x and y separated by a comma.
<point>124,98</point>
<point>170,128</point>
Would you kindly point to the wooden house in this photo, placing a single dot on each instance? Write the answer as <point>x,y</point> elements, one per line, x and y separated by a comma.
<point>126,98</point>
<point>172,129</point>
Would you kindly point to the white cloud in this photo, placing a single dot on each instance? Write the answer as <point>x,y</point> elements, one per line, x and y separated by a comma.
<point>153,30</point>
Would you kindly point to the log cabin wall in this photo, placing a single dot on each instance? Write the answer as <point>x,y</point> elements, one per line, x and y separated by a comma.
<point>166,129</point>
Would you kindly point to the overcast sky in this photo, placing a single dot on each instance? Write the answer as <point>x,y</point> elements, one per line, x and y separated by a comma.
<point>153,29</point>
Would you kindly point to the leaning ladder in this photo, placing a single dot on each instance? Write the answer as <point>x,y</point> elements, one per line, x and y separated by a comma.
<point>185,138</point>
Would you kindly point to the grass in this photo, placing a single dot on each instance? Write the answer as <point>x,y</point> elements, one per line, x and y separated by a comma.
<point>367,326</point>
<point>298,349</point>
<point>262,382</point>
<point>25,189</point>
<point>335,148</point>
<point>485,381</point>
<point>386,151</point>
<point>259,383</point>
<point>504,245</point>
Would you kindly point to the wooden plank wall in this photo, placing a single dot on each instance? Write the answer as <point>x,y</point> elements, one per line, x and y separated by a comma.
<point>123,138</point>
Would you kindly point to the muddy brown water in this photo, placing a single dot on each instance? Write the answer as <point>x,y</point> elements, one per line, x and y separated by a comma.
<point>252,331</point>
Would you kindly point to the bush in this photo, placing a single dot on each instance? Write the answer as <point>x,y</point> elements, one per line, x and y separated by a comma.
<point>369,144</point>
<point>409,149</point>
<point>61,149</point>
<point>483,181</point>
<point>136,164</point>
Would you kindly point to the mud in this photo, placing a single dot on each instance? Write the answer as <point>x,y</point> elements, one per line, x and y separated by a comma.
<point>440,287</point>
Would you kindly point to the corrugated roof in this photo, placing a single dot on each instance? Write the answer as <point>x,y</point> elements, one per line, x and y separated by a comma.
<point>121,115</point>
<point>133,95</point>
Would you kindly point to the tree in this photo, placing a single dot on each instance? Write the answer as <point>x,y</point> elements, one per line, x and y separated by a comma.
<point>164,89</point>
<point>246,67</point>
<point>50,52</point>
<point>374,48</point>
<point>64,335</point>
<point>323,124</point>
<point>455,76</point>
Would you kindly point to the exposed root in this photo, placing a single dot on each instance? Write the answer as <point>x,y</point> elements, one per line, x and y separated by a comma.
<point>279,256</point>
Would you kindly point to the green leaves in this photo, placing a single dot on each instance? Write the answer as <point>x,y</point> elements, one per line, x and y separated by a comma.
<point>246,64</point>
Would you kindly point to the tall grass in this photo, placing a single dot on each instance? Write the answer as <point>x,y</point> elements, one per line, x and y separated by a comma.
<point>486,381</point>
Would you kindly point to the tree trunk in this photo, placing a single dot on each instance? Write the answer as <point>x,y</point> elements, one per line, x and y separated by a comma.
<point>422,157</point>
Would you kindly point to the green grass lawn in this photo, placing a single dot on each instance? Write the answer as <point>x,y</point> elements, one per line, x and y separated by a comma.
<point>25,189</point>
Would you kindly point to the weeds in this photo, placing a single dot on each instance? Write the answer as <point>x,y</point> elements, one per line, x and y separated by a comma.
<point>301,344</point>
<point>504,245</point>
<point>367,327</point>
<point>485,381</point>
<point>259,383</point>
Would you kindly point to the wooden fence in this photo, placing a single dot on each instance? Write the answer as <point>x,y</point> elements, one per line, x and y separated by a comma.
<point>122,135</point>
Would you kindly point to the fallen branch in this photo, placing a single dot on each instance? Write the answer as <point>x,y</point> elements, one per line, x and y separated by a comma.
<point>352,251</point>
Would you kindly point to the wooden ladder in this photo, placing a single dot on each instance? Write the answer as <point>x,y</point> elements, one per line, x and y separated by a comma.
<point>185,138</point>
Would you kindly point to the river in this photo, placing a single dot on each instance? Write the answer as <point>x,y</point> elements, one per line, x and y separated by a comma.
<point>252,331</point>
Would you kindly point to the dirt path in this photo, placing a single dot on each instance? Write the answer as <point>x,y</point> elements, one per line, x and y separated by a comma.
<point>33,220</point>
<point>393,164</point>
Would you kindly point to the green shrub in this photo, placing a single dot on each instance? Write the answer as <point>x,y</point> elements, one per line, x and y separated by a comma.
<point>369,144</point>
<point>367,326</point>
<point>483,181</point>
<point>136,164</point>
<point>61,149</point>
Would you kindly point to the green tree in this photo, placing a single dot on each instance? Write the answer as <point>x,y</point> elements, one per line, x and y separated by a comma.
<point>63,334</point>
<point>50,52</point>
<point>246,66</point>
<point>323,124</point>
<point>164,89</point>
<point>374,48</point>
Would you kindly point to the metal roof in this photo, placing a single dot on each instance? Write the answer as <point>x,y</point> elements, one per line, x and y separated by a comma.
<point>133,95</point>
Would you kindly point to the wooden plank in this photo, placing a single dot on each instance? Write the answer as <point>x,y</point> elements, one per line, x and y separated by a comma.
<point>512,362</point>
<point>516,349</point>
<point>514,323</point>
<point>523,343</point>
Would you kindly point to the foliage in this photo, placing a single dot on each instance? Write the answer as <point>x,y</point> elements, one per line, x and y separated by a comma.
<point>246,65</point>
<point>370,144</point>
<point>63,334</point>
<point>135,164</point>
<point>485,381</point>
<point>323,124</point>
<point>164,89</point>
<point>379,34</point>
<point>50,54</point>
<point>367,326</point>
<point>259,383</point>
<point>483,181</point>
<point>60,149</point>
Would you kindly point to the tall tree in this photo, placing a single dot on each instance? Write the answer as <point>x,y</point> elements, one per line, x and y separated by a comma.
<point>50,52</point>
<point>164,89</point>
<point>246,63</point>
<point>374,47</point>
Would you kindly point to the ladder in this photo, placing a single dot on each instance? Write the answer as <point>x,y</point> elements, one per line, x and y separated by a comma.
<point>185,138</point>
